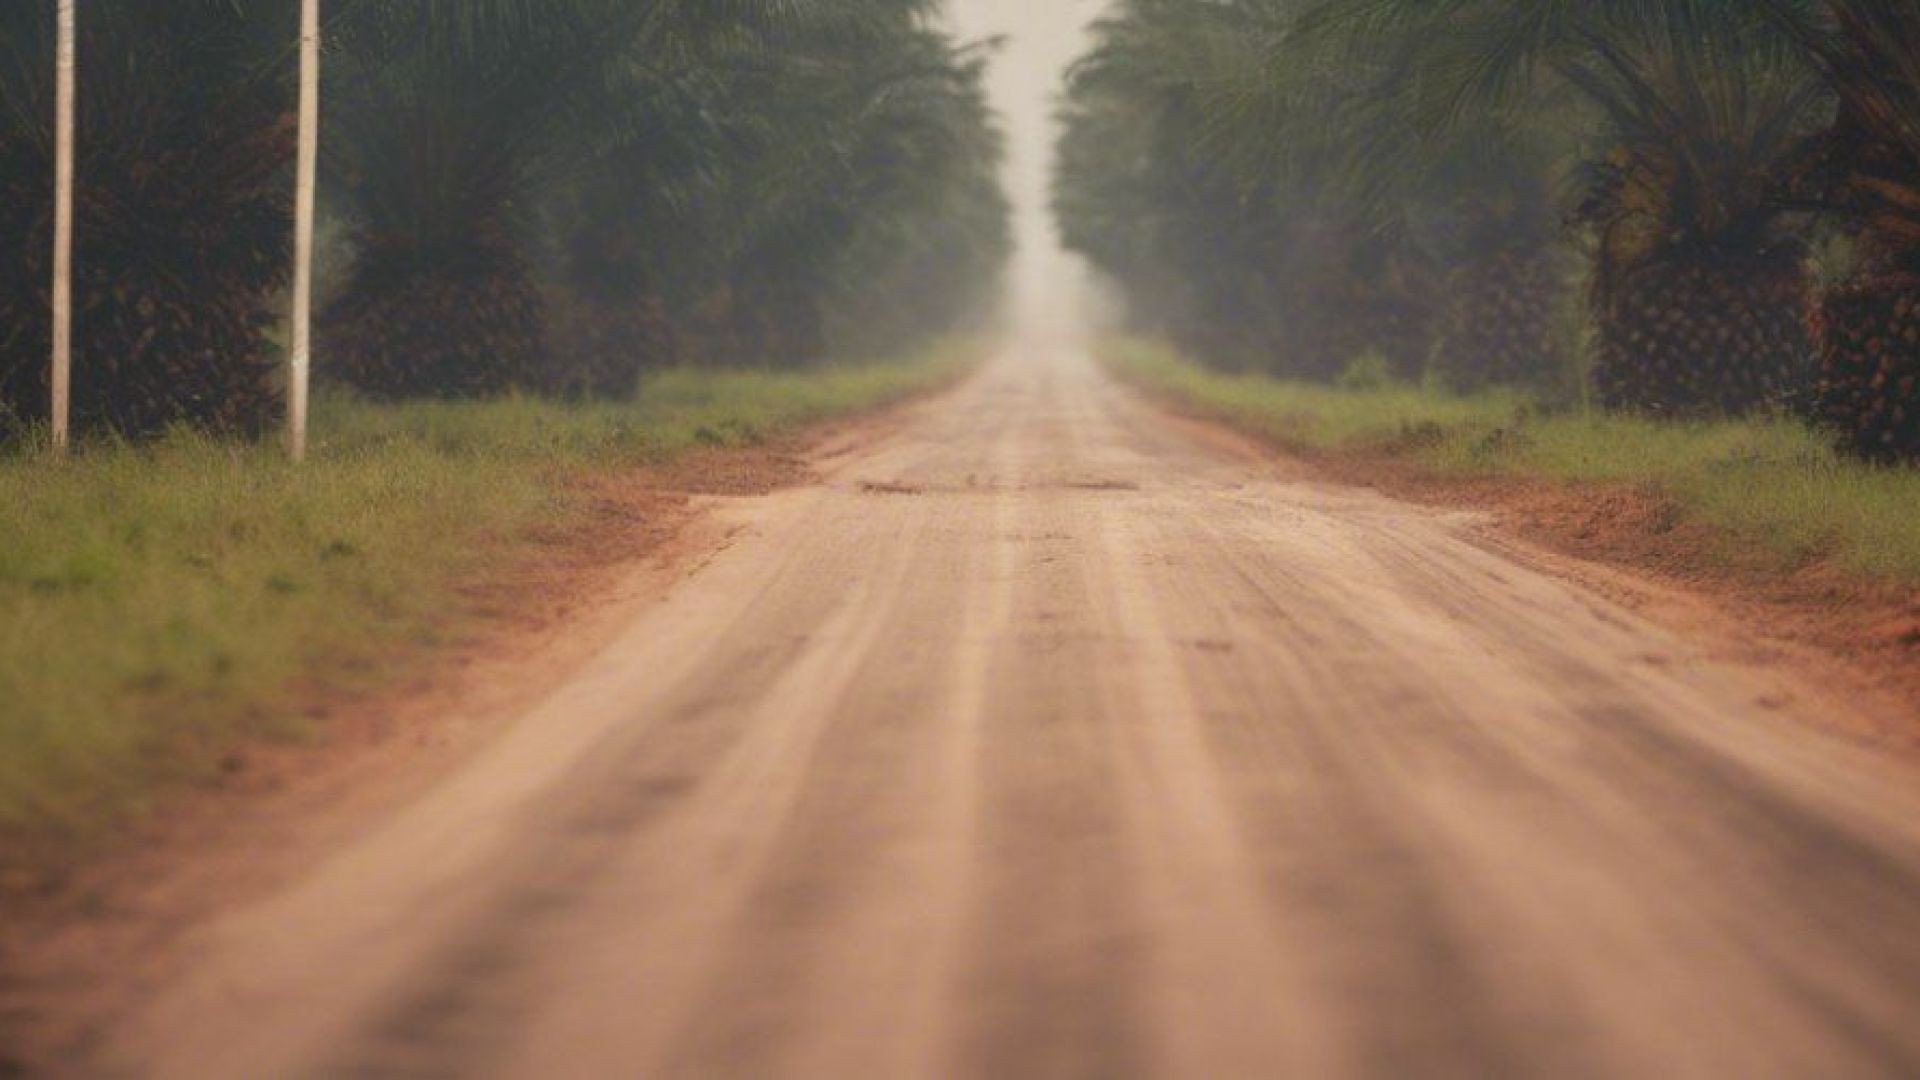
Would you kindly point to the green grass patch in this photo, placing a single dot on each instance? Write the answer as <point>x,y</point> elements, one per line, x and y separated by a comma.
<point>1773,486</point>
<point>156,602</point>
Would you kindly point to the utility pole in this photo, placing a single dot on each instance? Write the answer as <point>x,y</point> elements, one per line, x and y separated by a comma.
<point>62,359</point>
<point>300,355</point>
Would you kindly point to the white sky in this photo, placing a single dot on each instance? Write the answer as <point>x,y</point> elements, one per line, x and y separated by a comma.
<point>1044,37</point>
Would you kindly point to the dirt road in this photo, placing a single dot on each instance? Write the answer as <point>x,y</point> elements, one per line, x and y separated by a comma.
<point>1049,737</point>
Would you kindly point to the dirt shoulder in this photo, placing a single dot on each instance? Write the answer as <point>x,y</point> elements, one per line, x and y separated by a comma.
<point>1812,615</point>
<point>1638,548</point>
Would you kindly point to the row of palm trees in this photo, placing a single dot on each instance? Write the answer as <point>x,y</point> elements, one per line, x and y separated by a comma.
<point>1689,207</point>
<point>547,195</point>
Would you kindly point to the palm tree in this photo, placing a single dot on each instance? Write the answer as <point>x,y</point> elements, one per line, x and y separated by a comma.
<point>1477,194</point>
<point>1867,167</point>
<point>443,115</point>
<point>636,228</point>
<point>1483,203</point>
<point>1698,279</point>
<point>896,128</point>
<point>182,220</point>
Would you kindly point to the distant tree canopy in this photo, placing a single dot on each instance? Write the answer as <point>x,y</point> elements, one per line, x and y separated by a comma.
<point>523,194</point>
<point>1289,184</point>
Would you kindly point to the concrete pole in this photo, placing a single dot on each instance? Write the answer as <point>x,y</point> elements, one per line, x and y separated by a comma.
<point>62,359</point>
<point>300,357</point>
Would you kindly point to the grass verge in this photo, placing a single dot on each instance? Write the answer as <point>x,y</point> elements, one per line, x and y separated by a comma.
<point>157,602</point>
<point>1769,486</point>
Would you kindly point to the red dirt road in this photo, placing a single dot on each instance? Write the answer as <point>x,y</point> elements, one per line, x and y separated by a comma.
<point>1048,737</point>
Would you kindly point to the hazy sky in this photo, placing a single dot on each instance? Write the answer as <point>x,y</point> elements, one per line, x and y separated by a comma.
<point>1044,36</point>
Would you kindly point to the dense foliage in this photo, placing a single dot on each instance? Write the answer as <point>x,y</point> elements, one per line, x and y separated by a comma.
<point>1296,183</point>
<point>1867,166</point>
<point>516,194</point>
<point>185,228</point>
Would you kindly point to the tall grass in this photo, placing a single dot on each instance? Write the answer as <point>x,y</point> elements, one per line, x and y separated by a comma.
<point>1775,487</point>
<point>156,602</point>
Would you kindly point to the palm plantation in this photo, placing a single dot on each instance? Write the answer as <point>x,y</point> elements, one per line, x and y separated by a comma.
<point>562,197</point>
<point>1677,161</point>
<point>514,195</point>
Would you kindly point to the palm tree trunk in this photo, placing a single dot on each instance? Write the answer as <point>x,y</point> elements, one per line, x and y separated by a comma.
<point>1869,336</point>
<point>1704,335</point>
<point>1497,328</point>
<point>62,359</point>
<point>301,353</point>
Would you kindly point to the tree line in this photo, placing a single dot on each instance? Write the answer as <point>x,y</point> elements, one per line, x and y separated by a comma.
<point>1685,208</point>
<point>543,195</point>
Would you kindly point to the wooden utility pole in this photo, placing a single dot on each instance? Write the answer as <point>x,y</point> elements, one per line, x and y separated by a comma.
<point>63,121</point>
<point>300,355</point>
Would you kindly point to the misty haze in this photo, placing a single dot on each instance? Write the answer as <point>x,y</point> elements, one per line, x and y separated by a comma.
<point>985,538</point>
